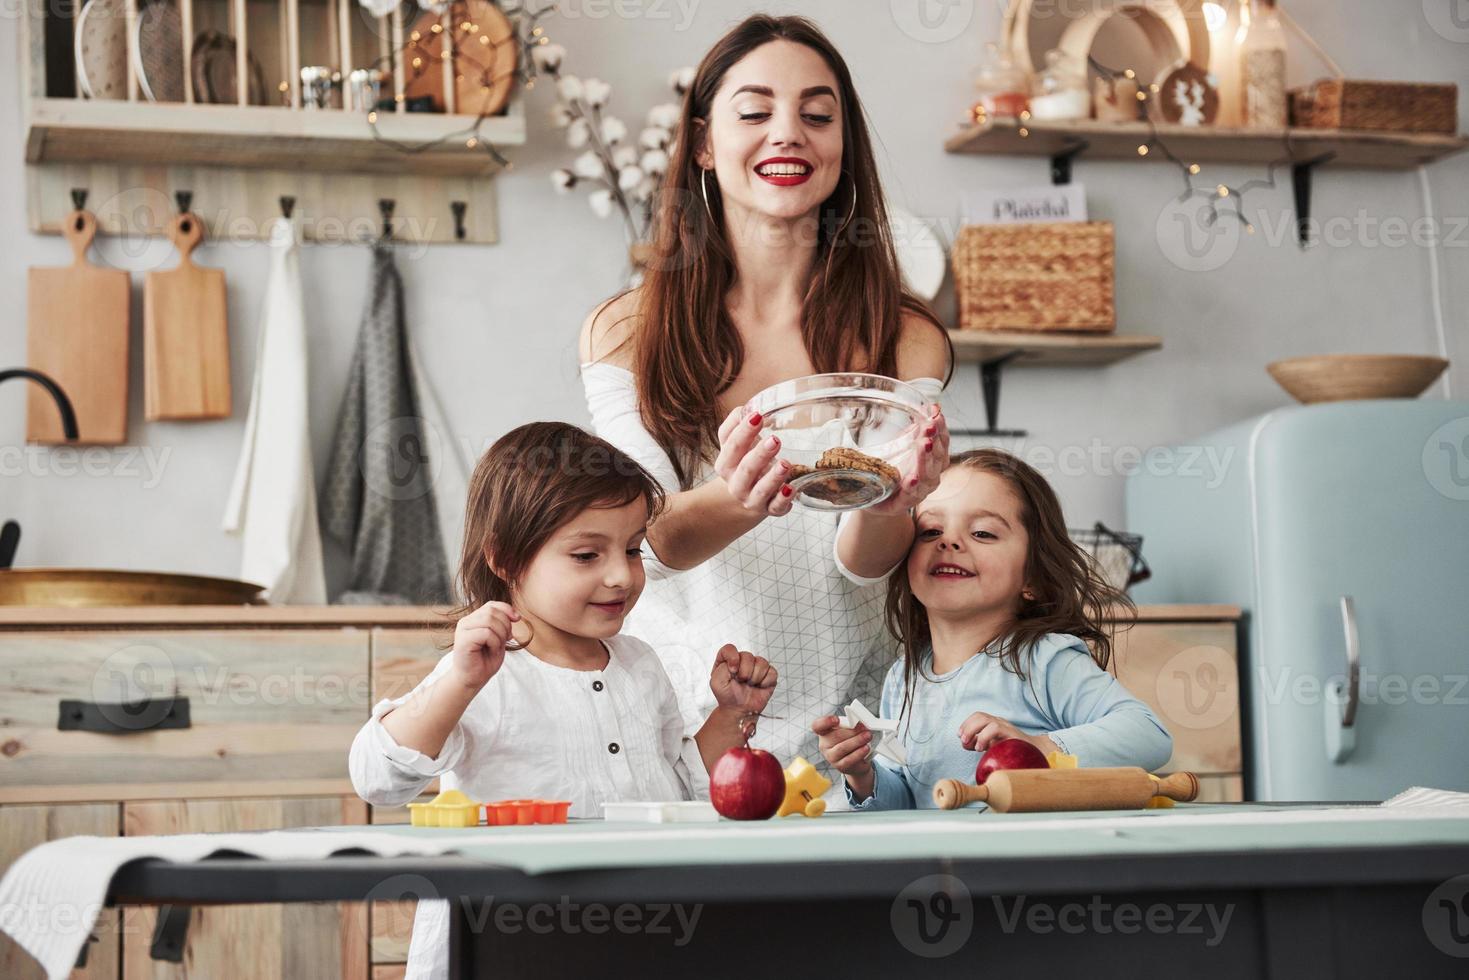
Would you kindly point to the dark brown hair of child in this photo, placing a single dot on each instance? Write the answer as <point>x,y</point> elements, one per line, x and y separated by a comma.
<point>527,485</point>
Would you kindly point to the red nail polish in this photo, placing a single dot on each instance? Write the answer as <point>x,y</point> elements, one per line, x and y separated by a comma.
<point>928,446</point>
<point>929,431</point>
<point>756,419</point>
<point>786,490</point>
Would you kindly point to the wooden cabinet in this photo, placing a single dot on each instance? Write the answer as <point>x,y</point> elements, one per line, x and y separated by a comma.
<point>25,827</point>
<point>1187,671</point>
<point>312,939</point>
<point>274,698</point>
<point>276,709</point>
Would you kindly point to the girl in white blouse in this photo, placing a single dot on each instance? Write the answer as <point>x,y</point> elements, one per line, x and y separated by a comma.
<point>540,696</point>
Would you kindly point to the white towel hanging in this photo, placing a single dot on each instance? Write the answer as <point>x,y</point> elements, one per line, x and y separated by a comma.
<point>272,503</point>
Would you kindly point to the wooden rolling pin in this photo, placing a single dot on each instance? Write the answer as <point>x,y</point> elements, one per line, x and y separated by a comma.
<point>1040,790</point>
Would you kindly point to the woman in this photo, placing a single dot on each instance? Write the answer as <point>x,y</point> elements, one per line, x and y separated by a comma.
<point>774,262</point>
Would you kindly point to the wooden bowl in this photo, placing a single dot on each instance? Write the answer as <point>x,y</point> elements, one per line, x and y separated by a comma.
<point>1348,377</point>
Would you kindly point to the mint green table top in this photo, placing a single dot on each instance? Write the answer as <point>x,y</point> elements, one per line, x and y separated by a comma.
<point>928,834</point>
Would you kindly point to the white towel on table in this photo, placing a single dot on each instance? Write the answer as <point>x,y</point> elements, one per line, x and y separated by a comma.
<point>1423,796</point>
<point>272,503</point>
<point>51,896</point>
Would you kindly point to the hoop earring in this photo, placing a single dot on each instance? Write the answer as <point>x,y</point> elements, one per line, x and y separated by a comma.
<point>704,186</point>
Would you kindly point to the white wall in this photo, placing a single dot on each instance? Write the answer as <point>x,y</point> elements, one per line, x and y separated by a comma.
<point>498,323</point>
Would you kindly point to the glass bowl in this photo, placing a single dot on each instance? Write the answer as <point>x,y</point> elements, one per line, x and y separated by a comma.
<point>848,436</point>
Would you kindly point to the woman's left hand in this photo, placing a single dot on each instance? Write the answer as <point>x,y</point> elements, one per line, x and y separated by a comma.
<point>930,455</point>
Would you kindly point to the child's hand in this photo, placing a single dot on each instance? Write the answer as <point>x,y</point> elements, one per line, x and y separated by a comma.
<point>847,750</point>
<point>479,643</point>
<point>980,730</point>
<point>741,680</point>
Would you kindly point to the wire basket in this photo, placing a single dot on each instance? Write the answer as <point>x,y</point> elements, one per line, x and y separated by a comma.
<point>1117,554</point>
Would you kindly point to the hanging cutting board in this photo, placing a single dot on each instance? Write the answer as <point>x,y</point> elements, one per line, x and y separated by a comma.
<point>186,354</point>
<point>77,332</point>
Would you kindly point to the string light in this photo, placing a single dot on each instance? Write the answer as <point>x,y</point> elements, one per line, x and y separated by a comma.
<point>525,34</point>
<point>1221,192</point>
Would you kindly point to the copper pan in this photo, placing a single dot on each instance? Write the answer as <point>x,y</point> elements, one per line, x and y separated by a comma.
<point>90,587</point>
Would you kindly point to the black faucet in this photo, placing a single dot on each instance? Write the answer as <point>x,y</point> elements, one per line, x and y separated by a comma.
<point>10,532</point>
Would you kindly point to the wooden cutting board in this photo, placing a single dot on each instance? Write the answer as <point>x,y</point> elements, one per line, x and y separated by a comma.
<point>77,332</point>
<point>186,354</point>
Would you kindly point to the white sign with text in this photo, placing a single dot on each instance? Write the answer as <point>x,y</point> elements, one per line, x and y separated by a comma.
<point>1025,205</point>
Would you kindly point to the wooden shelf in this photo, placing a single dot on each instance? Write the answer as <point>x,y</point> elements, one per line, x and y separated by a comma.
<point>1117,141</point>
<point>86,130</point>
<point>1049,349</point>
<point>994,350</point>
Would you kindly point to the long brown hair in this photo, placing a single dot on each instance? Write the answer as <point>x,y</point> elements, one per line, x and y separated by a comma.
<point>1070,594</point>
<point>685,346</point>
<point>526,486</point>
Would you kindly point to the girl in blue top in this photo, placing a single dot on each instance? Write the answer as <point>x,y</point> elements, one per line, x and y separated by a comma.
<point>1001,618</point>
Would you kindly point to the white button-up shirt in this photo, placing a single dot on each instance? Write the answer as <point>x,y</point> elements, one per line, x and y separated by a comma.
<point>539,731</point>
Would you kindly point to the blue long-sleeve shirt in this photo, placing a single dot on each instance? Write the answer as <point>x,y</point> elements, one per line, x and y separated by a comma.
<point>1064,695</point>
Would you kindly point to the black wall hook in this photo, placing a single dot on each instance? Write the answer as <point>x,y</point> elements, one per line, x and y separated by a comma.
<point>385,205</point>
<point>78,198</point>
<point>458,207</point>
<point>288,204</point>
<point>183,199</point>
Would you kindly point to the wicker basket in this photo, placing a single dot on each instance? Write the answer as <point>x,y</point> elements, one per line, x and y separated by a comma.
<point>1035,277</point>
<point>1402,107</point>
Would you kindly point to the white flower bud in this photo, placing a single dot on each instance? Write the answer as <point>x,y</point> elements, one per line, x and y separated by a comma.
<point>654,162</point>
<point>682,80</point>
<point>596,92</point>
<point>589,165</point>
<point>569,87</point>
<point>665,116</point>
<point>601,202</point>
<point>547,57</point>
<point>613,129</point>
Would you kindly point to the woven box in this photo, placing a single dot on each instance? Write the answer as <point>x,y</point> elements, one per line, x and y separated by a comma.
<point>1401,107</point>
<point>1035,277</point>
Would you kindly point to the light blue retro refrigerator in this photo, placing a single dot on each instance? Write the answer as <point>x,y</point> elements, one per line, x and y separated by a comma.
<point>1342,530</point>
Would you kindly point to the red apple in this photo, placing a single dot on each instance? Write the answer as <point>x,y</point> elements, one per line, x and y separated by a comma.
<point>747,784</point>
<point>1009,753</point>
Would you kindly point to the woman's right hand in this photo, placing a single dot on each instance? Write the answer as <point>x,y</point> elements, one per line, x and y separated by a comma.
<point>751,467</point>
<point>479,643</point>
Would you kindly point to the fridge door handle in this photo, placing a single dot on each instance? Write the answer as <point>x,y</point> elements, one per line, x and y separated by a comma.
<point>1354,661</point>
<point>1341,704</point>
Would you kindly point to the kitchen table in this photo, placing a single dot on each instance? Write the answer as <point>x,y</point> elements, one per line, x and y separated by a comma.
<point>1227,890</point>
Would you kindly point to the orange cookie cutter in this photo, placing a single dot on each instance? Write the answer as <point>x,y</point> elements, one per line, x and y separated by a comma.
<point>510,813</point>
